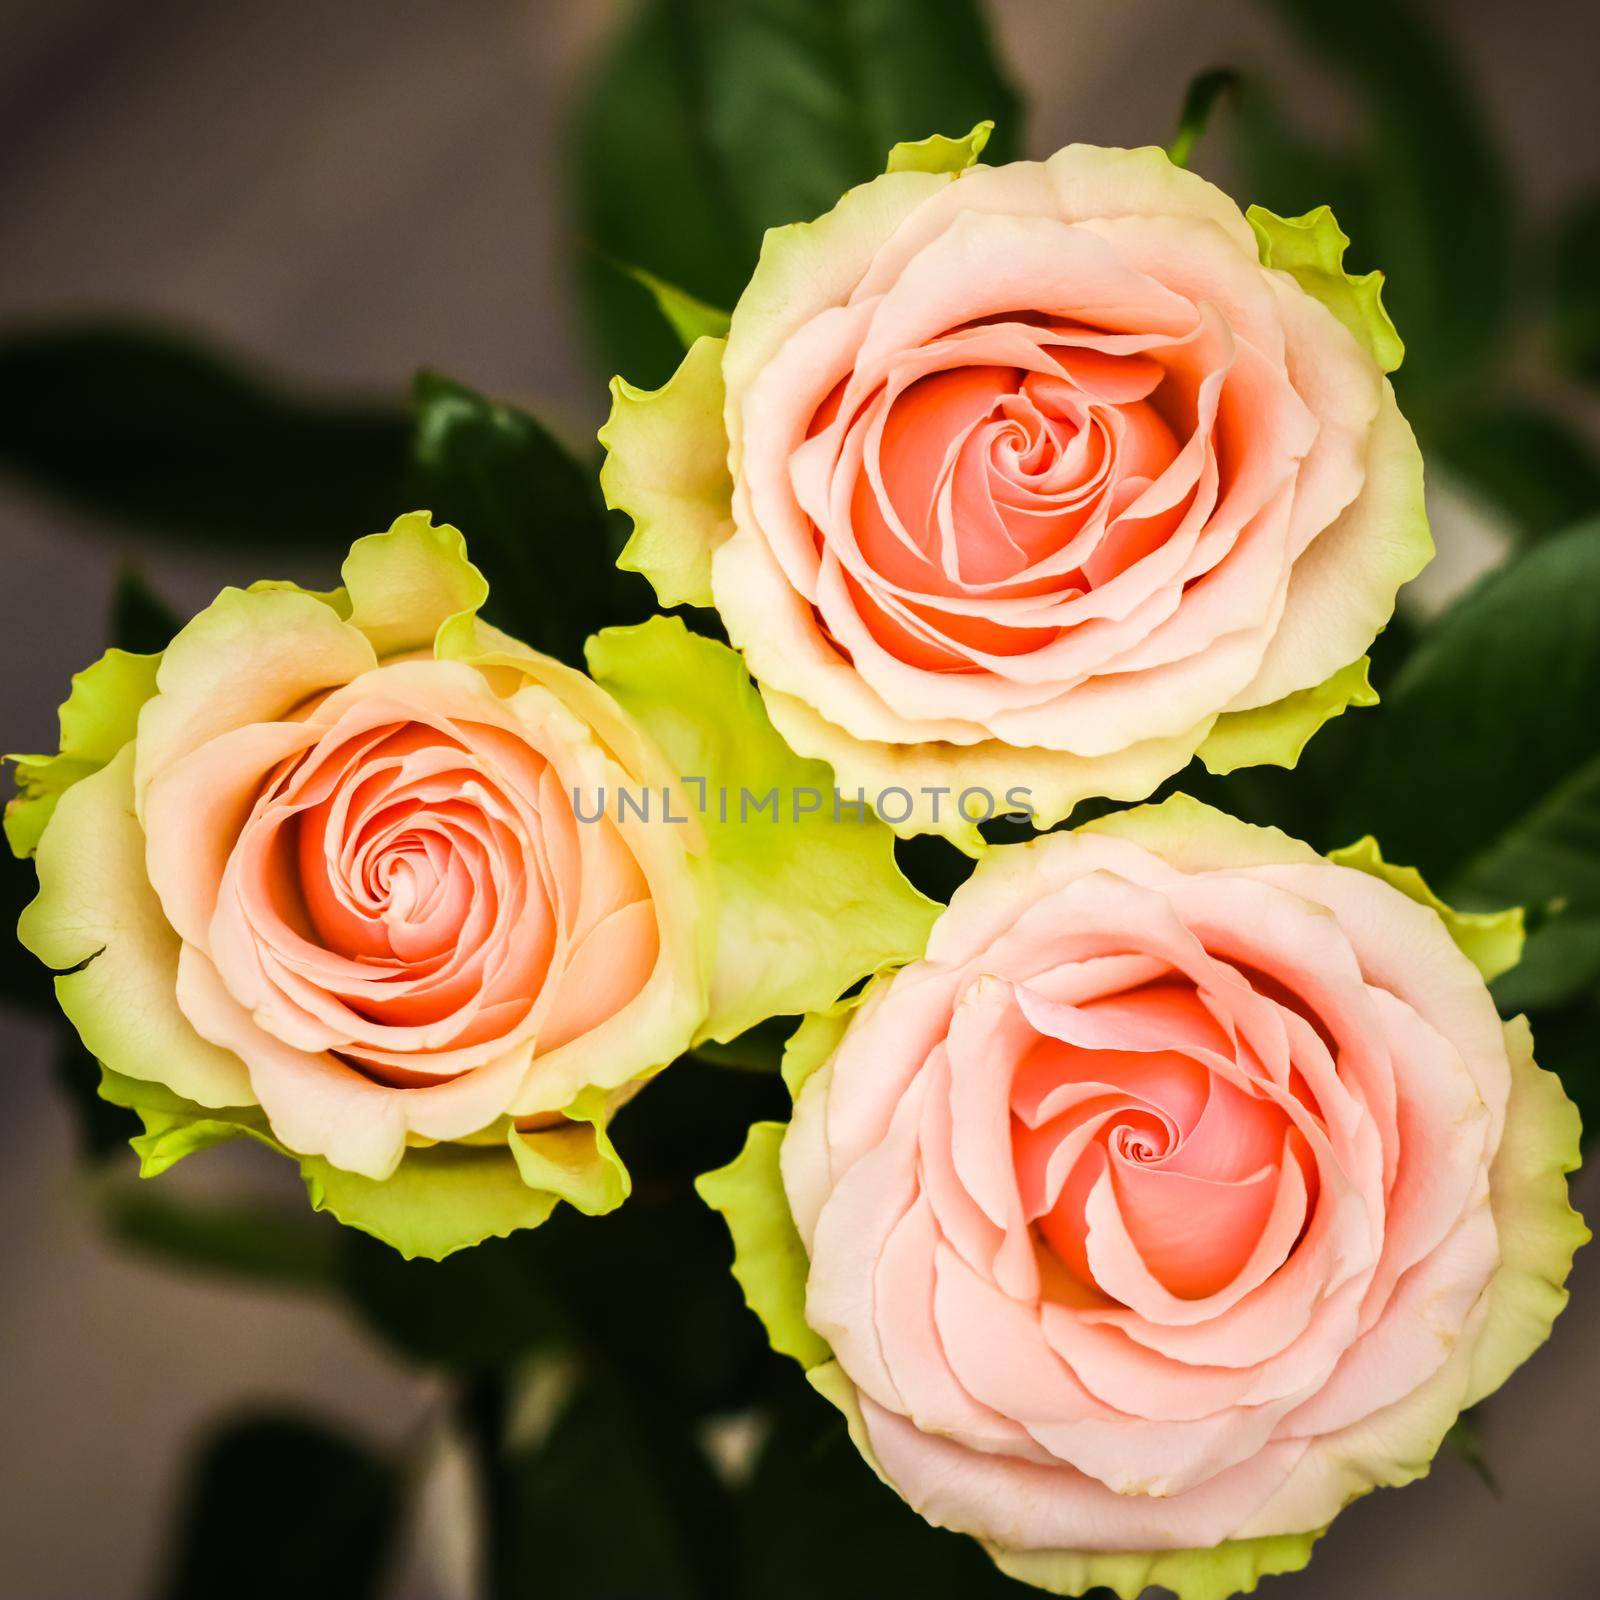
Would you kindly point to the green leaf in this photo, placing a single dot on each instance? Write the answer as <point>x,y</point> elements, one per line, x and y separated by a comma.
<point>616,1503</point>
<point>709,121</point>
<point>539,531</point>
<point>1560,961</point>
<point>1575,290</point>
<point>769,1259</point>
<point>690,318</point>
<point>815,1521</point>
<point>809,898</point>
<point>1541,472</point>
<point>1428,198</point>
<point>150,427</point>
<point>1484,768</point>
<point>255,1241</point>
<point>278,1505</point>
<point>1199,101</point>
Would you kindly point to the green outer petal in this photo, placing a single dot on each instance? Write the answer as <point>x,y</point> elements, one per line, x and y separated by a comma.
<point>936,153</point>
<point>404,585</point>
<point>1311,250</point>
<point>805,905</point>
<point>689,317</point>
<point>1539,1231</point>
<point>99,716</point>
<point>97,921</point>
<point>440,1199</point>
<point>667,467</point>
<point>769,1259</point>
<point>1490,940</point>
<point>1196,837</point>
<point>578,1164</point>
<point>1274,735</point>
<point>1234,1567</point>
<point>818,1037</point>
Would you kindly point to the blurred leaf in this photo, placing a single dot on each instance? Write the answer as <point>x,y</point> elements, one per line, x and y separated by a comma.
<point>103,1129</point>
<point>1432,207</point>
<point>278,1505</point>
<point>152,428</point>
<point>709,121</point>
<point>1199,102</point>
<point>141,621</point>
<point>1576,290</point>
<point>262,1243</point>
<point>1567,1043</point>
<point>1465,1438</point>
<point>1560,960</point>
<point>1541,472</point>
<point>615,1504</point>
<point>1483,769</point>
<point>533,517</point>
<point>814,1520</point>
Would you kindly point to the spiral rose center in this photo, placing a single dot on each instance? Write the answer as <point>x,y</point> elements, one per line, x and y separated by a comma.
<point>1146,1133</point>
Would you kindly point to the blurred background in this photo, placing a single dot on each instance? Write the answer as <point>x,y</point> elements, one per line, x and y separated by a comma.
<point>306,201</point>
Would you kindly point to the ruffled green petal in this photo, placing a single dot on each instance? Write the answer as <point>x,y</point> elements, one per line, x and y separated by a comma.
<point>576,1162</point>
<point>1539,1231</point>
<point>441,1198</point>
<point>818,1036</point>
<point>404,585</point>
<point>809,898</point>
<point>769,1259</point>
<point>1311,250</point>
<point>97,921</point>
<point>99,717</point>
<point>936,153</point>
<point>1193,836</point>
<point>1274,735</point>
<point>1490,940</point>
<point>1233,1567</point>
<point>667,467</point>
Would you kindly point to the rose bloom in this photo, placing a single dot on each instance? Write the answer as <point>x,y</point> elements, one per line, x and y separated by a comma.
<point>1047,475</point>
<point>1187,1188</point>
<point>330,889</point>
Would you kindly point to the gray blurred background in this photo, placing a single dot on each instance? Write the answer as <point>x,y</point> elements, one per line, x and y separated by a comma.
<point>349,189</point>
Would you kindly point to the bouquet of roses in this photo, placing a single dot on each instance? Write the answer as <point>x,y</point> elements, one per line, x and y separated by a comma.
<point>1141,1182</point>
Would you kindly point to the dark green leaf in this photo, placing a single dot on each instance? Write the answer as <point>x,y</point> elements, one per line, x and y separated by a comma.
<point>1199,102</point>
<point>1483,766</point>
<point>103,1129</point>
<point>532,515</point>
<point>815,1521</point>
<point>1576,290</point>
<point>262,1243</point>
<point>1542,473</point>
<point>617,1503</point>
<point>141,620</point>
<point>476,1309</point>
<point>1433,208</point>
<point>709,121</point>
<point>1567,1043</point>
<point>149,427</point>
<point>278,1505</point>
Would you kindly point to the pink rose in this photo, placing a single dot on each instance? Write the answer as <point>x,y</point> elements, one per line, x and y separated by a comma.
<point>1046,476</point>
<point>1187,1188</point>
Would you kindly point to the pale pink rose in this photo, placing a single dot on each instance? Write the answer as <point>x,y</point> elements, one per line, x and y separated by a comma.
<point>1041,476</point>
<point>1188,1187</point>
